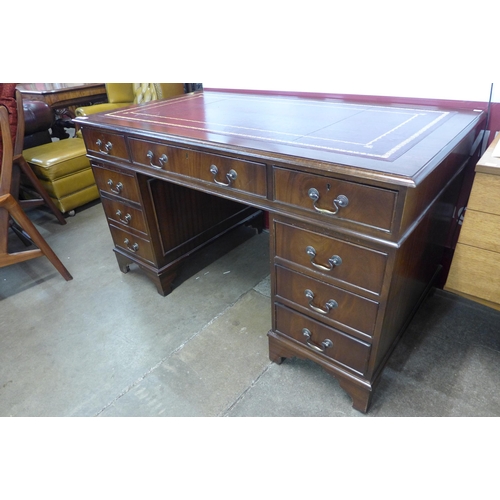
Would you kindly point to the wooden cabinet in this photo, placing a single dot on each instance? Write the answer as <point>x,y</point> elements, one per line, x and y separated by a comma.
<point>475,268</point>
<point>361,201</point>
<point>121,199</point>
<point>154,224</point>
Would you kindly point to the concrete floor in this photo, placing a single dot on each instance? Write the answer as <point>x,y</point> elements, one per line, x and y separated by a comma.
<point>107,344</point>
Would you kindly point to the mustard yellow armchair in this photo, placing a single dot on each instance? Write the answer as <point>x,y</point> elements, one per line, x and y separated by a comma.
<point>123,94</point>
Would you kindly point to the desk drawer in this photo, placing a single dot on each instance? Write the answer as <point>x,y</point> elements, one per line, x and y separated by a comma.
<point>133,245</point>
<point>474,271</point>
<point>336,260</point>
<point>116,183</point>
<point>246,176</point>
<point>338,199</point>
<point>122,214</point>
<point>326,302</point>
<point>105,143</point>
<point>481,230</point>
<point>342,348</point>
<point>484,195</point>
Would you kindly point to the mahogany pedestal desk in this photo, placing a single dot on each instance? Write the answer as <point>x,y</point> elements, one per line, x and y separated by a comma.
<point>361,201</point>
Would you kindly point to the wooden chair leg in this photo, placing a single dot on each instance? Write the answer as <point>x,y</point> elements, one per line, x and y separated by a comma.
<point>35,182</point>
<point>11,205</point>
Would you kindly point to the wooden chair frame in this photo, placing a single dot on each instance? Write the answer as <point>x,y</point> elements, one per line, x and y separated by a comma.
<point>10,208</point>
<point>20,162</point>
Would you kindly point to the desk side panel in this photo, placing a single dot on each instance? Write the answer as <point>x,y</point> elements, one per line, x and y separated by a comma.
<point>184,219</point>
<point>416,267</point>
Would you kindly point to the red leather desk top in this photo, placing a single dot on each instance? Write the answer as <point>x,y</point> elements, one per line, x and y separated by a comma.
<point>393,140</point>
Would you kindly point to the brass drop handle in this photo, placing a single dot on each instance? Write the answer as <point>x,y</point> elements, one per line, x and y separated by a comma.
<point>321,348</point>
<point>117,189</point>
<point>162,160</point>
<point>126,219</point>
<point>107,147</point>
<point>333,261</point>
<point>331,304</point>
<point>230,176</point>
<point>340,202</point>
<point>132,248</point>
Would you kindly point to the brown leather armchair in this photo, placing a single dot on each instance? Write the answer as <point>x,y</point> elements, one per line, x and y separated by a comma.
<point>39,118</point>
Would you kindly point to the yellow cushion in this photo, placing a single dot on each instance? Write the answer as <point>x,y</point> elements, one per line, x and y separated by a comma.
<point>69,183</point>
<point>120,92</point>
<point>99,108</point>
<point>77,199</point>
<point>167,90</point>
<point>57,159</point>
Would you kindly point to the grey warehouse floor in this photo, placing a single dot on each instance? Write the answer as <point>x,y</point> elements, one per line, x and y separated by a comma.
<point>107,344</point>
